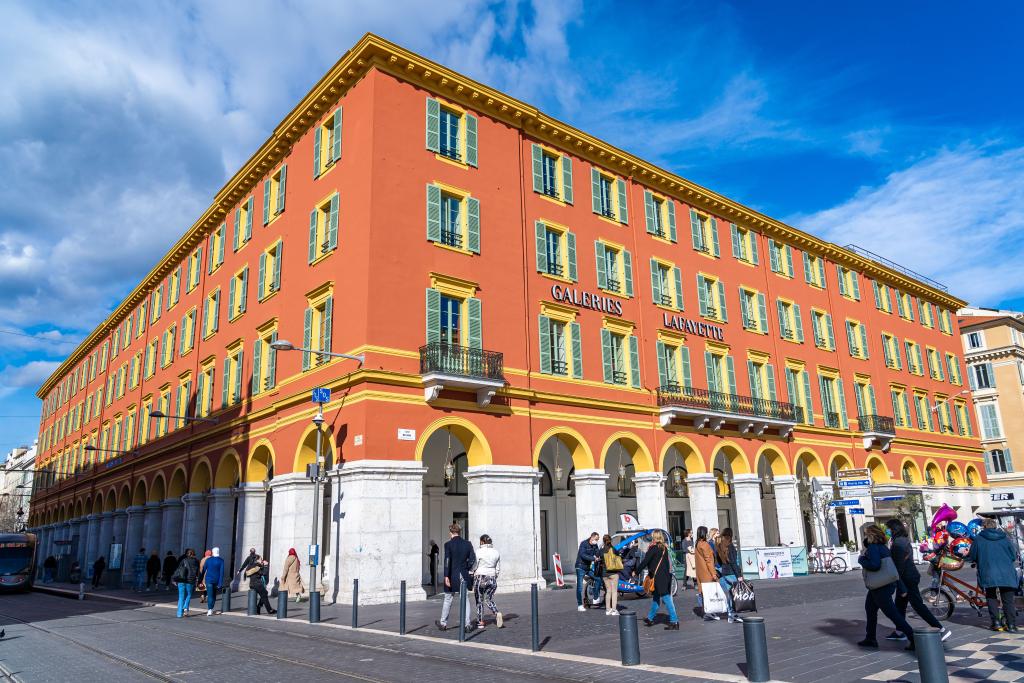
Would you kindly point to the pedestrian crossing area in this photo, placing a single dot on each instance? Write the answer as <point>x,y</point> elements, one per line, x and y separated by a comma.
<point>999,657</point>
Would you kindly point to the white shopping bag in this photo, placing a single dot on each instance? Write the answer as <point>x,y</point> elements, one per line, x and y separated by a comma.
<point>714,598</point>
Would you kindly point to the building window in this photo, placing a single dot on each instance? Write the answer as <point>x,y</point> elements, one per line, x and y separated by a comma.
<point>552,174</point>
<point>204,389</point>
<point>174,288</point>
<point>243,225</point>
<point>704,233</point>
<point>560,347</point>
<point>273,194</point>
<point>924,413</point>
<point>791,326</point>
<point>152,353</point>
<point>195,262</point>
<point>673,367</point>
<point>761,375</point>
<point>620,358</point>
<point>935,365</point>
<point>883,299</point>
<point>824,334</point>
<point>231,384</point>
<point>849,285</point>
<point>900,407</point>
<point>721,372</point>
<point>904,305</point>
<point>453,219</point>
<point>211,314</point>
<point>238,293</point>
<point>857,339</point>
<point>164,403</point>
<point>891,351</point>
<point>981,376</point>
<point>608,195</point>
<point>264,363</point>
<point>925,308</point>
<point>326,146</point>
<point>614,269</point>
<point>167,347</point>
<point>216,248</point>
<point>744,244</point>
<point>953,367</point>
<point>183,401</point>
<point>666,285</point>
<point>990,428</point>
<point>974,340</point>
<point>556,251</point>
<point>319,323</point>
<point>754,310</point>
<point>833,402</point>
<point>660,214</point>
<point>999,462</point>
<point>780,258</point>
<point>864,394</point>
<point>270,271</point>
<point>156,306</point>
<point>945,322</point>
<point>451,133</point>
<point>711,298</point>
<point>188,332</point>
<point>914,364</point>
<point>814,270</point>
<point>798,388</point>
<point>943,414</point>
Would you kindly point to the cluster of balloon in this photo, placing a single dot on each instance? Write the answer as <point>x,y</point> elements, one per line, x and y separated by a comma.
<point>950,538</point>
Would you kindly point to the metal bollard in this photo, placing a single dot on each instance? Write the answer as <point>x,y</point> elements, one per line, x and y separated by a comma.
<point>253,602</point>
<point>81,591</point>
<point>282,604</point>
<point>534,620</point>
<point>314,607</point>
<point>629,639</point>
<point>225,601</point>
<point>756,645</point>
<point>931,658</point>
<point>462,610</point>
<point>355,603</point>
<point>401,609</point>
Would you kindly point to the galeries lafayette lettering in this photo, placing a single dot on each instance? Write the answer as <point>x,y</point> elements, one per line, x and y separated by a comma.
<point>596,302</point>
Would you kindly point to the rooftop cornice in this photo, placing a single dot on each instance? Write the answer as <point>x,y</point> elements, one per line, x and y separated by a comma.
<point>375,52</point>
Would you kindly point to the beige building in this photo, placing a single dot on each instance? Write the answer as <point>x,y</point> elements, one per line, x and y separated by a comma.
<point>994,354</point>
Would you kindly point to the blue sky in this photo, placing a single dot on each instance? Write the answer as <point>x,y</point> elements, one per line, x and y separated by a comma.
<point>896,127</point>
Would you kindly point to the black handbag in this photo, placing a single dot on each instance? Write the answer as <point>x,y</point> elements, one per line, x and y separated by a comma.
<point>743,599</point>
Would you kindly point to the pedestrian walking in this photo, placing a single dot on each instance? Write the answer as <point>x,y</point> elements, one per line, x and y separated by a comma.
<point>659,568</point>
<point>585,558</point>
<point>713,537</point>
<point>257,575</point>
<point>170,564</point>
<point>185,576</point>
<point>97,571</point>
<point>200,586</point>
<point>997,575</point>
<point>152,570</point>
<point>908,591</point>
<point>880,578</point>
<point>485,581</point>
<point>432,554</point>
<point>212,575</point>
<point>459,558</point>
<point>291,576</point>
<point>49,569</point>
<point>704,559</point>
<point>728,569</point>
<point>139,567</point>
<point>689,559</point>
<point>612,565</point>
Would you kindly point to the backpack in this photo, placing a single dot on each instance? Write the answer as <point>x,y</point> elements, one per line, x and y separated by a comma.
<point>612,561</point>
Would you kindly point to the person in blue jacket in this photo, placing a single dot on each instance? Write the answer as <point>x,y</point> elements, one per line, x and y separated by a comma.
<point>212,575</point>
<point>997,575</point>
<point>585,558</point>
<point>880,598</point>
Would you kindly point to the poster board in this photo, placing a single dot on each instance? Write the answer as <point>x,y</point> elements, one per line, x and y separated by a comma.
<point>774,563</point>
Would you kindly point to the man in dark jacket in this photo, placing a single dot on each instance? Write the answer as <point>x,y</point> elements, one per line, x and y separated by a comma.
<point>995,557</point>
<point>170,564</point>
<point>152,570</point>
<point>585,558</point>
<point>459,558</point>
<point>907,590</point>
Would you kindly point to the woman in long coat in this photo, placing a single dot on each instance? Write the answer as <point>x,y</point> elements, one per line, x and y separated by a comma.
<point>704,556</point>
<point>291,577</point>
<point>659,566</point>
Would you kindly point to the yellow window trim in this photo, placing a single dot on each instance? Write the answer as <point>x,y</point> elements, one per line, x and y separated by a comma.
<point>320,291</point>
<point>556,227</point>
<point>797,365</point>
<point>452,190</point>
<point>559,312</point>
<point>758,356</point>
<point>663,262</point>
<point>831,373</point>
<point>618,326</point>
<point>717,348</point>
<point>234,346</point>
<point>671,337</point>
<point>861,378</point>
<point>614,245</point>
<point>451,285</point>
<point>268,326</point>
<point>187,375</point>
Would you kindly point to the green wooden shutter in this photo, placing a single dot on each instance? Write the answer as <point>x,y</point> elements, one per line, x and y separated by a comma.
<point>595,190</point>
<point>570,251</point>
<point>709,367</point>
<point>216,310</point>
<point>684,366</point>
<point>821,271</point>
<point>473,306</point>
<point>634,361</point>
<point>773,256</point>
<point>232,296</point>
<point>332,224</point>
<point>735,233</point>
<point>255,387</point>
<point>248,219</point>
<point>336,136</point>
<point>281,189</point>
<point>224,386</point>
<point>623,206</point>
<point>677,278</point>
<point>238,377</point>
<point>577,350</point>
<point>754,258</point>
<point>655,282</point>
<point>789,259</point>
<point>762,310</point>
<point>243,296</point>
<point>316,151</point>
<point>747,320</point>
<point>471,140</point>
<point>842,280</point>
<point>854,281</point>
<point>770,372</point>
<point>752,377</point>
<point>723,308</point>
<point>266,201</point>
<point>433,125</point>
<point>730,369</point>
<point>649,209</point>
<point>606,355</point>
<point>538,168</point>
<point>864,342</point>
<point>807,268</point>
<point>851,339</point>
<point>663,378</point>
<point>798,319</point>
<point>602,275</point>
<point>181,339</point>
<point>702,296</point>
<point>842,404</point>
<point>878,295</point>
<point>830,331</point>
<point>307,338</point>
<point>544,328</point>
<point>714,237</point>
<point>696,233</point>
<point>433,316</point>
<point>312,235</point>
<point>627,267</point>
<point>473,224</point>
<point>791,391</point>
<point>278,260</point>
<point>433,213</point>
<point>670,207</point>
<point>540,233</point>
<point>810,398</point>
<point>567,196</point>
<point>328,323</point>
<point>272,363</point>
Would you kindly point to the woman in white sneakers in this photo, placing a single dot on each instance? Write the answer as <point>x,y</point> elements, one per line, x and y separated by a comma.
<point>485,580</point>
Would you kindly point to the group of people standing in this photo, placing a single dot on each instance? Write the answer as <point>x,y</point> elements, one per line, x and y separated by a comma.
<point>478,569</point>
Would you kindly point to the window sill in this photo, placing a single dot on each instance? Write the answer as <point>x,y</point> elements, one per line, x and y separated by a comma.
<point>788,276</point>
<point>209,335</point>
<point>186,352</point>
<point>747,263</point>
<point>792,341</point>
<point>327,169</point>
<point>268,296</point>
<point>707,255</point>
<point>236,317</point>
<point>824,347</point>
<point>273,219</point>
<point>321,257</point>
<point>241,246</point>
<point>663,240</point>
<point>671,309</point>
<point>557,278</point>
<point>613,221</point>
<point>613,292</point>
<point>457,250</point>
<point>755,330</point>
<point>448,160</point>
<point>216,267</point>
<point>714,320</point>
<point>553,200</point>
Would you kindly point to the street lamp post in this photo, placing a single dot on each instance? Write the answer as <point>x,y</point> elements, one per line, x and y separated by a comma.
<point>316,474</point>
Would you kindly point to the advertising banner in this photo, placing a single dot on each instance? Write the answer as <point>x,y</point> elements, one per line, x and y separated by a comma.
<point>774,563</point>
<point>799,557</point>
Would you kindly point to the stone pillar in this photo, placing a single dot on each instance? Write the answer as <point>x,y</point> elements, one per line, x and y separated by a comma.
<point>591,507</point>
<point>787,507</point>
<point>92,542</point>
<point>170,529</point>
<point>106,532</point>
<point>221,523</point>
<point>504,502</point>
<point>379,529</point>
<point>151,528</point>
<point>194,531</point>
<point>293,522</point>
<point>749,517</point>
<point>76,541</point>
<point>252,505</point>
<point>827,535</point>
<point>703,490</point>
<point>133,539</point>
<point>118,535</point>
<point>650,499</point>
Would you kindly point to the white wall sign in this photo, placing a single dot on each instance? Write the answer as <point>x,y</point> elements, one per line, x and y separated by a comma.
<point>774,563</point>
<point>406,434</point>
<point>358,440</point>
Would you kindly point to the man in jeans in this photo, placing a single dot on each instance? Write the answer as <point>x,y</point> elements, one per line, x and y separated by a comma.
<point>459,558</point>
<point>213,575</point>
<point>584,558</point>
<point>139,567</point>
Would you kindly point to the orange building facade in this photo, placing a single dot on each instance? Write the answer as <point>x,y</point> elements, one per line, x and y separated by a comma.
<point>554,332</point>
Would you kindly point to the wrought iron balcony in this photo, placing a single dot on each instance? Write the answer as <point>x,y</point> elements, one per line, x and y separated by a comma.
<point>453,366</point>
<point>618,377</point>
<point>451,152</point>
<point>659,232</point>
<point>559,367</point>
<point>614,285</point>
<point>555,268</point>
<point>550,191</point>
<point>607,212</point>
<point>832,420</point>
<point>451,238</point>
<point>878,429</point>
<point>666,300</point>
<point>714,409</point>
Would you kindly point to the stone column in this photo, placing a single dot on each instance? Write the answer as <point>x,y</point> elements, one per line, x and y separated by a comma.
<point>650,499</point>
<point>504,503</point>
<point>787,507</point>
<point>151,528</point>
<point>379,535</point>
<point>591,507</point>
<point>293,522</point>
<point>170,529</point>
<point>252,505</point>
<point>221,522</point>
<point>194,531</point>
<point>106,532</point>
<point>749,516</point>
<point>133,539</point>
<point>703,490</point>
<point>828,535</point>
<point>118,535</point>
<point>92,542</point>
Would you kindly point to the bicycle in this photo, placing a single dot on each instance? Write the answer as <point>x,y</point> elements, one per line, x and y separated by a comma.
<point>944,593</point>
<point>824,560</point>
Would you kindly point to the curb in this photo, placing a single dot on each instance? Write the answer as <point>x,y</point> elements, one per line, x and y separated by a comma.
<point>70,594</point>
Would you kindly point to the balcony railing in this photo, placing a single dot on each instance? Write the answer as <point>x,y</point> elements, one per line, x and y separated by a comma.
<point>832,420</point>
<point>555,268</point>
<point>671,395</point>
<point>666,300</point>
<point>607,212</point>
<point>550,191</point>
<point>559,367</point>
<point>451,238</point>
<point>878,424</point>
<point>618,377</point>
<point>451,152</point>
<point>614,285</point>
<point>462,361</point>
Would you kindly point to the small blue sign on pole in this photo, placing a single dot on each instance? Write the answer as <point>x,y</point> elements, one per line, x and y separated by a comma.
<point>845,483</point>
<point>883,498</point>
<point>321,395</point>
<point>856,511</point>
<point>845,503</point>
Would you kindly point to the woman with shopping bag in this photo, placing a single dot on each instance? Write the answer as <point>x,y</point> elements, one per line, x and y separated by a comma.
<point>707,577</point>
<point>880,578</point>
<point>659,580</point>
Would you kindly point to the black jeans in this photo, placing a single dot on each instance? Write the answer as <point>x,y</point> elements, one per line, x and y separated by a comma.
<point>913,598</point>
<point>1005,595</point>
<point>881,599</point>
<point>264,599</point>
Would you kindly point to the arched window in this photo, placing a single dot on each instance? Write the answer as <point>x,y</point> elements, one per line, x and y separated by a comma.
<point>457,485</point>
<point>908,473</point>
<point>970,477</point>
<point>675,483</point>
<point>545,481</point>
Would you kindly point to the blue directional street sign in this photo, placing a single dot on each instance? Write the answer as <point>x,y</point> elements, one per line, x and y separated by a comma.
<point>321,395</point>
<point>845,483</point>
<point>888,497</point>
<point>845,503</point>
<point>856,511</point>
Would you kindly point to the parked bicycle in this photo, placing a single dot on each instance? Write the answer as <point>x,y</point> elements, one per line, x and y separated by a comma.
<point>825,561</point>
<point>947,590</point>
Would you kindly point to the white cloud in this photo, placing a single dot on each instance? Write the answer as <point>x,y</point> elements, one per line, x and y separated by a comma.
<point>955,216</point>
<point>28,376</point>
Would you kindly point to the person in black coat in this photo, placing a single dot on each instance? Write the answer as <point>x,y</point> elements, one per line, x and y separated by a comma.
<point>459,559</point>
<point>659,566</point>
<point>907,590</point>
<point>871,559</point>
<point>434,552</point>
<point>97,571</point>
<point>170,564</point>
<point>256,571</point>
<point>585,558</point>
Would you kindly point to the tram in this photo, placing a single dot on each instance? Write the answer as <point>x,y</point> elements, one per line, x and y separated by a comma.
<point>17,562</point>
